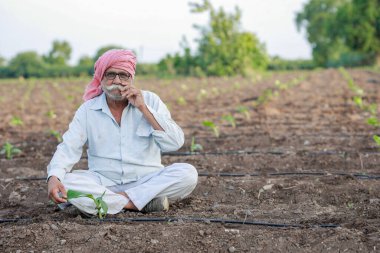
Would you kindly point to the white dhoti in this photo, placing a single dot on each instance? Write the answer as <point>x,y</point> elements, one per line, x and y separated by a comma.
<point>175,181</point>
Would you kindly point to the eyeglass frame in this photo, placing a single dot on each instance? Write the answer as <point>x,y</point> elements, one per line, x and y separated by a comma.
<point>118,74</point>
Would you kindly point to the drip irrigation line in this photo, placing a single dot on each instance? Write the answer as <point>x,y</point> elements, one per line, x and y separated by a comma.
<point>271,152</point>
<point>234,174</point>
<point>317,173</point>
<point>180,219</point>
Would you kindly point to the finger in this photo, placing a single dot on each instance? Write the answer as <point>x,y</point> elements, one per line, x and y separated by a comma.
<point>56,196</point>
<point>63,191</point>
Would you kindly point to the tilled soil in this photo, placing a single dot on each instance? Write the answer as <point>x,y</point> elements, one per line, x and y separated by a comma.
<point>299,172</point>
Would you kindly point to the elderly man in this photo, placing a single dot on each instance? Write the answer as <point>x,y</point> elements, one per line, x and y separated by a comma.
<point>125,130</point>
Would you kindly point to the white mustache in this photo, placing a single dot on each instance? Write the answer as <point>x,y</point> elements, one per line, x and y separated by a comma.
<point>115,87</point>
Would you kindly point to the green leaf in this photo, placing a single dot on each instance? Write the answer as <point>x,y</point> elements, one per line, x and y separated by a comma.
<point>72,194</point>
<point>104,206</point>
<point>373,121</point>
<point>207,123</point>
<point>376,138</point>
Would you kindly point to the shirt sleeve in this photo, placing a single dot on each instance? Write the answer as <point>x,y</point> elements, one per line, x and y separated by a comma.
<point>70,150</point>
<point>172,138</point>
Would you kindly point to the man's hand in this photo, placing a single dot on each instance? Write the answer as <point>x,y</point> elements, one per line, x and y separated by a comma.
<point>134,96</point>
<point>54,188</point>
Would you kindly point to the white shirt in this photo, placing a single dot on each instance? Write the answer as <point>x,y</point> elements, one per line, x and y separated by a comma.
<point>117,154</point>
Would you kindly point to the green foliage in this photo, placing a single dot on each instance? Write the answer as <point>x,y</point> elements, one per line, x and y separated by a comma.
<point>358,101</point>
<point>211,125</point>
<point>223,48</point>
<point>342,32</point>
<point>56,134</point>
<point>59,54</point>
<point>26,64</point>
<point>181,100</point>
<point>373,121</point>
<point>16,121</point>
<point>276,63</point>
<point>264,97</point>
<point>9,151</point>
<point>51,114</point>
<point>101,206</point>
<point>244,110</point>
<point>376,138</point>
<point>230,119</point>
<point>195,146</point>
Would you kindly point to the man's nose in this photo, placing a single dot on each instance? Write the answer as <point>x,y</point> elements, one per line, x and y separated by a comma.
<point>117,79</point>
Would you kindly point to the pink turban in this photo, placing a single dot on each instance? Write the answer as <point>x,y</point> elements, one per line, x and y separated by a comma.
<point>116,58</point>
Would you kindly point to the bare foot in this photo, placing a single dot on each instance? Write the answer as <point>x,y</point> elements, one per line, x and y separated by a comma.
<point>129,205</point>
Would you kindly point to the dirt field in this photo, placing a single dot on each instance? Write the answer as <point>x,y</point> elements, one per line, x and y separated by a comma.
<point>305,167</point>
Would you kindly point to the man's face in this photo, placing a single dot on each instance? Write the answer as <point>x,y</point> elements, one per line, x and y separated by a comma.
<point>114,81</point>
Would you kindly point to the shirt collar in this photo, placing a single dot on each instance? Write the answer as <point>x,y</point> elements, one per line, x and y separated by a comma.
<point>99,102</point>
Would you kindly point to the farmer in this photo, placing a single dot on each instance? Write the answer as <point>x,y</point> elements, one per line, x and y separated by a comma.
<point>125,130</point>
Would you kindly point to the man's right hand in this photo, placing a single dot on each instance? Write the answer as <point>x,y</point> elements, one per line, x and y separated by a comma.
<point>54,188</point>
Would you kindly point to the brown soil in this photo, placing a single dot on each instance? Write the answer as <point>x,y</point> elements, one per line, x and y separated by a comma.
<point>311,127</point>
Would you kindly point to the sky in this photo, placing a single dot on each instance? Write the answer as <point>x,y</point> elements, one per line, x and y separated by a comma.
<point>151,28</point>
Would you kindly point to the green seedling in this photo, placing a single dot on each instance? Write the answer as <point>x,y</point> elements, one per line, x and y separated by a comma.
<point>181,101</point>
<point>372,109</point>
<point>16,121</point>
<point>202,94</point>
<point>195,146</point>
<point>376,138</point>
<point>265,96</point>
<point>51,114</point>
<point>244,110</point>
<point>57,135</point>
<point>101,206</point>
<point>373,121</point>
<point>9,151</point>
<point>358,101</point>
<point>230,119</point>
<point>280,85</point>
<point>212,126</point>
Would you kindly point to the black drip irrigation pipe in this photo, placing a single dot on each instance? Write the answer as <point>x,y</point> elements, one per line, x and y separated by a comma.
<point>271,152</point>
<point>226,174</point>
<point>229,174</point>
<point>190,219</point>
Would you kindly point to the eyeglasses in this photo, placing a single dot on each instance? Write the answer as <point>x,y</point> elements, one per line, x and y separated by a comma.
<point>122,76</point>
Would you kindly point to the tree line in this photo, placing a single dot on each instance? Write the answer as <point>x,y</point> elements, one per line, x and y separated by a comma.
<point>341,33</point>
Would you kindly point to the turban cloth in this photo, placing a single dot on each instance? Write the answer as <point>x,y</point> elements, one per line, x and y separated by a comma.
<point>115,58</point>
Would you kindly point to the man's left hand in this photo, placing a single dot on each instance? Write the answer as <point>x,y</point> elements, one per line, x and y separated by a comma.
<point>134,96</point>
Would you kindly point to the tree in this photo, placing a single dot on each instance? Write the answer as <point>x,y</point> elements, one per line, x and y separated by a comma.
<point>2,61</point>
<point>223,48</point>
<point>342,32</point>
<point>26,64</point>
<point>60,53</point>
<point>104,49</point>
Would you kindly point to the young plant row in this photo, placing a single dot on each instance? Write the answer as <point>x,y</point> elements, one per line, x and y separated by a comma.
<point>359,101</point>
<point>265,97</point>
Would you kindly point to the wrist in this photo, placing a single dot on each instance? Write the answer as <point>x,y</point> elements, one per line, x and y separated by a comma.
<point>143,108</point>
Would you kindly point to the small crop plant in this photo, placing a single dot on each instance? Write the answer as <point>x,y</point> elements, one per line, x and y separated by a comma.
<point>211,125</point>
<point>101,206</point>
<point>16,121</point>
<point>230,119</point>
<point>195,146</point>
<point>244,110</point>
<point>56,134</point>
<point>9,151</point>
<point>181,101</point>
<point>51,114</point>
<point>376,138</point>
